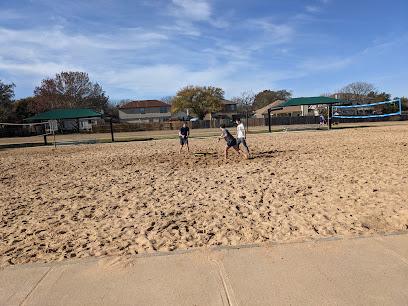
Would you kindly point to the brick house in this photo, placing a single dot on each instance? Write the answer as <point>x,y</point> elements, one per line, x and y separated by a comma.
<point>299,110</point>
<point>229,111</point>
<point>145,111</point>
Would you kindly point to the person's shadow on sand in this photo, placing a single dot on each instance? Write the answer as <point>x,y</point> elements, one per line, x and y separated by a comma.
<point>268,154</point>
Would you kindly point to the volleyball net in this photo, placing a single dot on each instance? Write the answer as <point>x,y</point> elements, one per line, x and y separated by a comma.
<point>372,110</point>
<point>26,129</point>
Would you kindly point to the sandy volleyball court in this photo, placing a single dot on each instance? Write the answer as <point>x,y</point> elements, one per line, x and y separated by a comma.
<point>142,197</point>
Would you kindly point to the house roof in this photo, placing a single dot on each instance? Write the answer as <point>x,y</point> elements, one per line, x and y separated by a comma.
<point>74,113</point>
<point>227,102</point>
<point>144,103</point>
<point>264,110</point>
<point>312,101</point>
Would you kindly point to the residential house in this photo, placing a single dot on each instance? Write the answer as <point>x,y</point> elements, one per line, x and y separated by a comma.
<point>145,111</point>
<point>300,110</point>
<point>229,111</point>
<point>181,115</point>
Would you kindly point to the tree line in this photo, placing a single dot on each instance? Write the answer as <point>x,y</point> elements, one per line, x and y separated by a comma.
<point>75,90</point>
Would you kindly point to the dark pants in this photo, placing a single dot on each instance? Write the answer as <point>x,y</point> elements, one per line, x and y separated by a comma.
<point>242,140</point>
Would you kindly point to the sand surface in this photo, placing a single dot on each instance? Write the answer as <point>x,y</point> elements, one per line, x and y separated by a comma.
<point>142,197</point>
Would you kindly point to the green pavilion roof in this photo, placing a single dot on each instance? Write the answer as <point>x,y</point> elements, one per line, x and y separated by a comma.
<point>74,113</point>
<point>311,101</point>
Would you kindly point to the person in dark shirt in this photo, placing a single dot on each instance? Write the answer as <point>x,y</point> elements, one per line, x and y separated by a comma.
<point>231,142</point>
<point>184,133</point>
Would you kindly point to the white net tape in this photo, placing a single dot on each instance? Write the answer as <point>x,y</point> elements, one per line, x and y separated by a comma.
<point>26,129</point>
<point>372,110</point>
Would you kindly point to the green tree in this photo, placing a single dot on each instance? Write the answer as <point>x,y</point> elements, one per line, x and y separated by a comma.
<point>199,99</point>
<point>267,97</point>
<point>404,103</point>
<point>6,99</point>
<point>20,109</point>
<point>68,90</point>
<point>379,97</point>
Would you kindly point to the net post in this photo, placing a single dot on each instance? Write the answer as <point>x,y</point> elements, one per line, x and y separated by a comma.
<point>111,128</point>
<point>269,120</point>
<point>45,140</point>
<point>53,133</point>
<point>329,117</point>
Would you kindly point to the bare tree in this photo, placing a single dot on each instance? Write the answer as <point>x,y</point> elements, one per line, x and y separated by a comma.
<point>123,102</point>
<point>167,99</point>
<point>244,102</point>
<point>326,94</point>
<point>356,92</point>
<point>68,90</point>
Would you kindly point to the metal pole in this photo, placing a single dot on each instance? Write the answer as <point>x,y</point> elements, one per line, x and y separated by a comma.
<point>111,127</point>
<point>53,133</point>
<point>328,117</point>
<point>247,124</point>
<point>269,120</point>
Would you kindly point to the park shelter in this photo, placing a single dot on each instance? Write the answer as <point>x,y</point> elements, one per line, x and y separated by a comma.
<point>276,111</point>
<point>313,101</point>
<point>73,113</point>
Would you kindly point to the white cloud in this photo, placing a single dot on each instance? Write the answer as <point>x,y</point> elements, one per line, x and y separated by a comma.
<point>320,64</point>
<point>386,44</point>
<point>46,68</point>
<point>276,33</point>
<point>163,79</point>
<point>190,9</point>
<point>312,9</point>
<point>57,39</point>
<point>10,15</point>
<point>219,23</point>
<point>181,27</point>
<point>188,12</point>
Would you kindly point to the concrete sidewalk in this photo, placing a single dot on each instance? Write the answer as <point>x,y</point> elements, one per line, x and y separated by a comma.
<point>358,271</point>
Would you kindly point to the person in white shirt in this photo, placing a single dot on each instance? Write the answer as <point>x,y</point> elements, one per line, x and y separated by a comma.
<point>241,135</point>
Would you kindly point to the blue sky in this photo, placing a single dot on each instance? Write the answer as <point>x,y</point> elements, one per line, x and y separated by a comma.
<point>149,49</point>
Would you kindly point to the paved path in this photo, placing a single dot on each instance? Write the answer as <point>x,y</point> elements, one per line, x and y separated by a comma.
<point>358,271</point>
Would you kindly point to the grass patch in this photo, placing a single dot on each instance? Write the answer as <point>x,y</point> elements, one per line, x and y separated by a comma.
<point>23,145</point>
<point>124,140</point>
<point>265,131</point>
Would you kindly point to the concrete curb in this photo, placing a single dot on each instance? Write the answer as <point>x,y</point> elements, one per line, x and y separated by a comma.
<point>218,248</point>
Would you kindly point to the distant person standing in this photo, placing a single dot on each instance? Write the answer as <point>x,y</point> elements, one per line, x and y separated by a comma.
<point>241,135</point>
<point>184,133</point>
<point>322,120</point>
<point>231,141</point>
